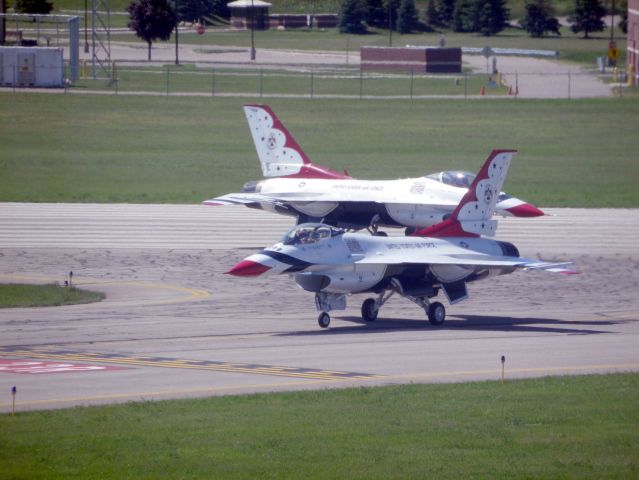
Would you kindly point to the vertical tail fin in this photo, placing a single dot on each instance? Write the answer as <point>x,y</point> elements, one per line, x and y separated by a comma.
<point>473,215</point>
<point>279,153</point>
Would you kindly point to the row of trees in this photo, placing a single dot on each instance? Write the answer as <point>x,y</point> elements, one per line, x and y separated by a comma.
<point>356,16</point>
<point>187,10</point>
<point>487,17</point>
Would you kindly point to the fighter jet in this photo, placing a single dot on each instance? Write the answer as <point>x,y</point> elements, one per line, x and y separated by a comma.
<point>334,263</point>
<point>312,193</point>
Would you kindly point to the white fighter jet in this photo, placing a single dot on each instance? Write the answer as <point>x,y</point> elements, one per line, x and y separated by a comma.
<point>312,193</point>
<point>446,256</point>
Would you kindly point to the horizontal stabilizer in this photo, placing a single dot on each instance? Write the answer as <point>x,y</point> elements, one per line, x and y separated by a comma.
<point>239,199</point>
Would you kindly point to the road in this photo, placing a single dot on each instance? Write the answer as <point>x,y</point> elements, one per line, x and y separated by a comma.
<point>174,326</point>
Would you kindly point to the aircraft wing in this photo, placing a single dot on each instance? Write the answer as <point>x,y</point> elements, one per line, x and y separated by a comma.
<point>293,198</point>
<point>421,257</point>
<point>363,196</point>
<point>240,199</point>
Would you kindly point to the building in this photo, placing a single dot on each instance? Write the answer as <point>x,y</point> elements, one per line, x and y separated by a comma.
<point>249,14</point>
<point>633,41</point>
<point>284,21</point>
<point>411,59</point>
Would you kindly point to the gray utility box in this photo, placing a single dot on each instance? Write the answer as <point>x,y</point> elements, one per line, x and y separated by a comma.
<point>31,67</point>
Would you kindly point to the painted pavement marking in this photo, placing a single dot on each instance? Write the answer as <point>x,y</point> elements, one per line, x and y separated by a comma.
<point>36,367</point>
<point>167,362</point>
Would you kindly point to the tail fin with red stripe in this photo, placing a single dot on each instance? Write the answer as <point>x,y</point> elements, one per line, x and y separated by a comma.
<point>279,153</point>
<point>473,215</point>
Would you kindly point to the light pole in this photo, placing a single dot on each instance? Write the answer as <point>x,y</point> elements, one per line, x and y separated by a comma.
<point>86,38</point>
<point>612,22</point>
<point>390,23</point>
<point>177,23</point>
<point>252,30</point>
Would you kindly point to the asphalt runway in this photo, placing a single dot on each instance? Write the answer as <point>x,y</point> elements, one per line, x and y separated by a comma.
<point>174,326</point>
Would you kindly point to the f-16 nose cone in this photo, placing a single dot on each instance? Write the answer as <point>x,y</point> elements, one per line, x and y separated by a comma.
<point>525,210</point>
<point>248,268</point>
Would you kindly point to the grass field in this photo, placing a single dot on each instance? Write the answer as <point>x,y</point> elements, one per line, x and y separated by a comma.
<point>584,427</point>
<point>19,295</point>
<point>84,148</point>
<point>170,79</point>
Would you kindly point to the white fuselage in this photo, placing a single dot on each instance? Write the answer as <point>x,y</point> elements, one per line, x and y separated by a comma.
<point>412,202</point>
<point>357,262</point>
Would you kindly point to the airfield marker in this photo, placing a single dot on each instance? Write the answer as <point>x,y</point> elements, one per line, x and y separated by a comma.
<point>14,390</point>
<point>503,362</point>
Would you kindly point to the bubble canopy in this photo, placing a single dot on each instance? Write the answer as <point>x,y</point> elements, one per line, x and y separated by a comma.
<point>460,179</point>
<point>309,233</point>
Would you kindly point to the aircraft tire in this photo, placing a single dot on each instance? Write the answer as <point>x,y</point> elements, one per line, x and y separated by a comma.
<point>436,313</point>
<point>369,310</point>
<point>324,320</point>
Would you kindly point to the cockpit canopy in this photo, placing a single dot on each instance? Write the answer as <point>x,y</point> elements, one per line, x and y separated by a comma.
<point>459,179</point>
<point>454,178</point>
<point>309,233</point>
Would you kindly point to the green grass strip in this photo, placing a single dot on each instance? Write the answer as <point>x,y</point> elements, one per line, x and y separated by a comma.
<point>584,427</point>
<point>20,295</point>
<point>138,149</point>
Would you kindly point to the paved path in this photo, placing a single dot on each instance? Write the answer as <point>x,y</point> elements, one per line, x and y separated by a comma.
<point>176,326</point>
<point>543,78</point>
<point>106,226</point>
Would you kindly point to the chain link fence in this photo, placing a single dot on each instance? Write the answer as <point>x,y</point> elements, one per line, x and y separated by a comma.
<point>188,79</point>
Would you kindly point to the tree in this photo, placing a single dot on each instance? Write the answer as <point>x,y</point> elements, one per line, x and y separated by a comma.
<point>445,11</point>
<point>3,25</point>
<point>151,20</point>
<point>194,10</point>
<point>375,14</point>
<point>586,17</point>
<point>539,19</point>
<point>491,16</point>
<point>220,8</point>
<point>407,17</point>
<point>623,22</point>
<point>464,16</point>
<point>391,7</point>
<point>197,10</point>
<point>432,15</point>
<point>33,6</point>
<point>351,17</point>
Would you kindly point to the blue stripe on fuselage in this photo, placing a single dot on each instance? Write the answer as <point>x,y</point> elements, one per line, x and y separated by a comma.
<point>296,264</point>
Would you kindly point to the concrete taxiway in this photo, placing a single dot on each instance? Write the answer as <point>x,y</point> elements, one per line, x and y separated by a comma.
<point>173,326</point>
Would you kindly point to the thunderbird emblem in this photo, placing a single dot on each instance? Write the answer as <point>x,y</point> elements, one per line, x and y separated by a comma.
<point>271,142</point>
<point>488,195</point>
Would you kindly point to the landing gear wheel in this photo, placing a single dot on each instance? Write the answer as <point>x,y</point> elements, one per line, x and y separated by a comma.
<point>324,320</point>
<point>380,234</point>
<point>436,313</point>
<point>369,310</point>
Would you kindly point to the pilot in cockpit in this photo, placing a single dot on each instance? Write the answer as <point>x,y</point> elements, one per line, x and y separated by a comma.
<point>458,179</point>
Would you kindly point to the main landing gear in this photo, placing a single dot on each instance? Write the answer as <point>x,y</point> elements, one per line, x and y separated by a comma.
<point>374,227</point>
<point>325,302</point>
<point>324,320</point>
<point>435,311</point>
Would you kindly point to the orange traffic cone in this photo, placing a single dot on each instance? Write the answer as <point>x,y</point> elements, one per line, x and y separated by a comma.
<point>482,91</point>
